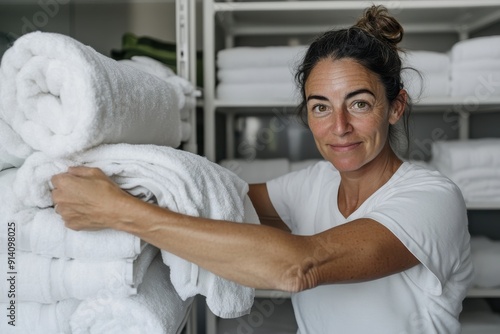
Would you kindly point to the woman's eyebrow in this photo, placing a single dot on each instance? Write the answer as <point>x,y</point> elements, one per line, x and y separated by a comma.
<point>359,91</point>
<point>316,97</point>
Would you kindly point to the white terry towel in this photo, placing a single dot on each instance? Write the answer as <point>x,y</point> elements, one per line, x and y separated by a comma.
<point>62,96</point>
<point>156,309</point>
<point>46,280</point>
<point>42,231</point>
<point>452,156</point>
<point>486,262</point>
<point>476,79</point>
<point>268,56</point>
<point>257,92</point>
<point>13,150</point>
<point>157,68</point>
<point>433,76</point>
<point>257,170</point>
<point>256,75</point>
<point>477,49</point>
<point>38,318</point>
<point>179,180</point>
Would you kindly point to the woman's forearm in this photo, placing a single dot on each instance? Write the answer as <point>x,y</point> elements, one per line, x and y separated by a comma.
<point>253,255</point>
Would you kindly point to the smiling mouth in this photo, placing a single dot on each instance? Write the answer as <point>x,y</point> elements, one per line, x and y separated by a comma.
<point>343,147</point>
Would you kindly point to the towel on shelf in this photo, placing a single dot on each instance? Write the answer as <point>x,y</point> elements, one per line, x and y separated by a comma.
<point>432,76</point>
<point>184,88</point>
<point>257,170</point>
<point>38,318</point>
<point>156,308</point>
<point>268,56</point>
<point>179,180</point>
<point>62,96</point>
<point>478,82</point>
<point>478,184</point>
<point>477,49</point>
<point>486,261</point>
<point>258,92</point>
<point>454,155</point>
<point>256,75</point>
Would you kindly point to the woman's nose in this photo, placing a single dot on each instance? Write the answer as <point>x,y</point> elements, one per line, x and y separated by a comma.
<point>340,123</point>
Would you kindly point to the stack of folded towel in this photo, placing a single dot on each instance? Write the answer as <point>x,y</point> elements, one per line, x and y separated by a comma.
<point>63,105</point>
<point>475,67</point>
<point>474,165</point>
<point>254,74</point>
<point>426,73</point>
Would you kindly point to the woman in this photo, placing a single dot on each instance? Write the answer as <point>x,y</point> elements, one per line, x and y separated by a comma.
<point>378,245</point>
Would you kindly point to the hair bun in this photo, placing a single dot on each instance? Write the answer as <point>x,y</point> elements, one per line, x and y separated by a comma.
<point>377,21</point>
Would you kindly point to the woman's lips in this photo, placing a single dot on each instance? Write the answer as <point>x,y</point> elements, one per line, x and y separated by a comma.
<point>343,147</point>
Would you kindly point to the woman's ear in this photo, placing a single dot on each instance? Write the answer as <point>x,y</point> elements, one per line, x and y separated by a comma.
<point>398,107</point>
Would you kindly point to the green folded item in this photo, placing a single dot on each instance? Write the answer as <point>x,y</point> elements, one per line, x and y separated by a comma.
<point>161,51</point>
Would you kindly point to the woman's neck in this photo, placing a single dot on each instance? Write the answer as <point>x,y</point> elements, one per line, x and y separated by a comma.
<point>357,186</point>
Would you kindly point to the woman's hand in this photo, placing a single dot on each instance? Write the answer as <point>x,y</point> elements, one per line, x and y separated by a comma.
<point>87,199</point>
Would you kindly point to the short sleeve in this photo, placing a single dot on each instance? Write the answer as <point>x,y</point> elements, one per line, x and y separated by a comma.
<point>429,216</point>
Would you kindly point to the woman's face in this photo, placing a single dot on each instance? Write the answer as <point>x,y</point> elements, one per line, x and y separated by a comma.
<point>348,113</point>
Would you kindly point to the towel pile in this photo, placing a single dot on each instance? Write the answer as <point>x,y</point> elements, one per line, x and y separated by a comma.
<point>475,67</point>
<point>474,165</point>
<point>258,73</point>
<point>426,73</point>
<point>62,105</point>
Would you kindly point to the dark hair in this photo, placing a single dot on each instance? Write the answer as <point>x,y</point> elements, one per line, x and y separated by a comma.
<point>373,43</point>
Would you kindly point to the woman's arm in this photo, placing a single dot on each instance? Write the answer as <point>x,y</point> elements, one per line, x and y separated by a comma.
<point>264,207</point>
<point>259,256</point>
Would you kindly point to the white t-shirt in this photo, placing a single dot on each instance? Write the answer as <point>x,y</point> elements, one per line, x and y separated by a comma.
<point>426,211</point>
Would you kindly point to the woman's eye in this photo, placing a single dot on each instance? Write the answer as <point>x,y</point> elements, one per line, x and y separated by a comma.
<point>360,106</point>
<point>319,108</point>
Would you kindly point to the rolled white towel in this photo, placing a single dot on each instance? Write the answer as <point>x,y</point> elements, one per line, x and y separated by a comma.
<point>13,150</point>
<point>427,61</point>
<point>62,96</point>
<point>156,308</point>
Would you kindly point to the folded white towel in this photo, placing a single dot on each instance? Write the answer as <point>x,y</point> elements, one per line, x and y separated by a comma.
<point>256,75</point>
<point>179,180</point>
<point>257,170</point>
<point>477,49</point>
<point>157,308</point>
<point>258,92</point>
<point>45,280</point>
<point>427,61</point>
<point>477,79</point>
<point>185,90</point>
<point>62,96</point>
<point>43,232</point>
<point>268,56</point>
<point>38,318</point>
<point>486,261</point>
<point>425,84</point>
<point>451,156</point>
